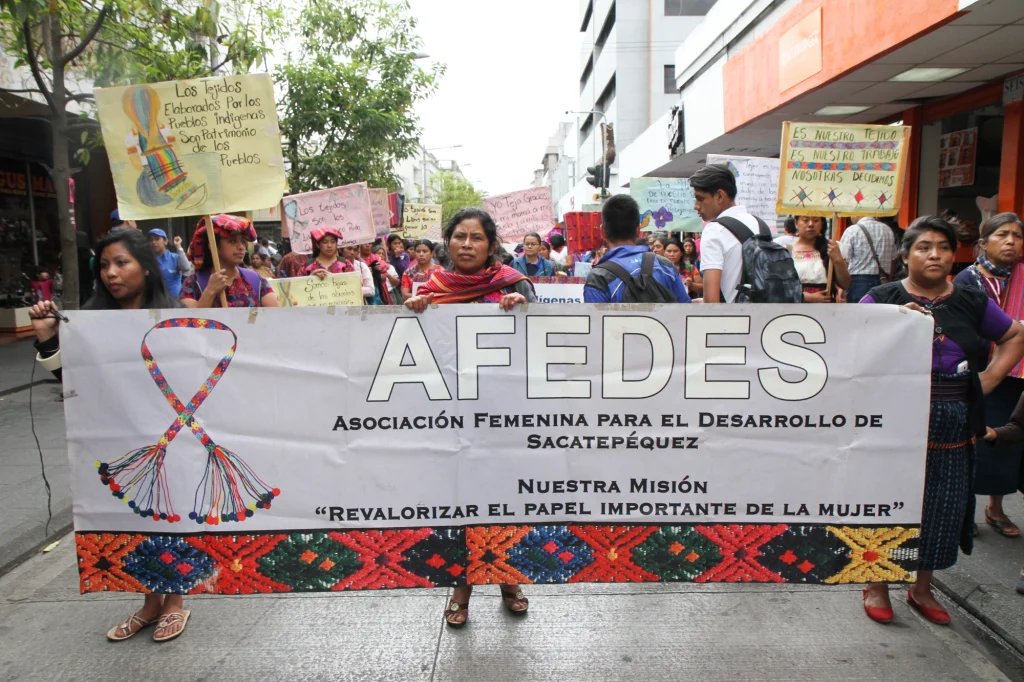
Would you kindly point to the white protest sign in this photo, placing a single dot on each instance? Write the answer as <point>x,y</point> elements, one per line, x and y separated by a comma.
<point>520,213</point>
<point>443,448</point>
<point>757,183</point>
<point>345,208</point>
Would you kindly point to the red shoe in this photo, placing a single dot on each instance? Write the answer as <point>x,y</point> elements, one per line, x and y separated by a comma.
<point>938,616</point>
<point>884,616</point>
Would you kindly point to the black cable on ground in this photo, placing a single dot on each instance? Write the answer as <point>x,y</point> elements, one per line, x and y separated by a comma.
<point>42,463</point>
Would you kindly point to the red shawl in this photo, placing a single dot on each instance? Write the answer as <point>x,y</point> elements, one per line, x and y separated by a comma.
<point>1013,305</point>
<point>487,285</point>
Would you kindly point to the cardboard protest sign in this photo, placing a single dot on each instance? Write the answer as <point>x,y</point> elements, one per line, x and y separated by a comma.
<point>345,208</point>
<point>666,204</point>
<point>839,168</point>
<point>419,219</point>
<point>471,446</point>
<point>379,210</point>
<point>519,213</point>
<point>193,147</point>
<point>757,183</point>
<point>343,289</point>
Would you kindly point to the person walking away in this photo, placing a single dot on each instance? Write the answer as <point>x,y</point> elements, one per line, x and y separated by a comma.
<point>998,272</point>
<point>629,272</point>
<point>531,263</point>
<point>243,287</point>
<point>292,263</point>
<point>870,250</point>
<point>471,237</point>
<point>174,266</point>
<point>559,251</point>
<point>812,253</point>
<point>721,253</point>
<point>129,279</point>
<point>964,319</point>
<point>421,270</point>
<point>789,234</point>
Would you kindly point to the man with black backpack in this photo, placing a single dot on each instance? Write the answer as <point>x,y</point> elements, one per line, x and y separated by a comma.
<point>629,273</point>
<point>740,262</point>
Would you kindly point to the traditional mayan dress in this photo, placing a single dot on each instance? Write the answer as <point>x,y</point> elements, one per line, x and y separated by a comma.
<point>955,416</point>
<point>999,469</point>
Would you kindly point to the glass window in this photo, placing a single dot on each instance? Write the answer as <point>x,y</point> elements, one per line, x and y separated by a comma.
<point>688,8</point>
<point>670,79</point>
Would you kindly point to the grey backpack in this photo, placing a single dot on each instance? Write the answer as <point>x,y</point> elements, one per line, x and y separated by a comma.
<point>769,275</point>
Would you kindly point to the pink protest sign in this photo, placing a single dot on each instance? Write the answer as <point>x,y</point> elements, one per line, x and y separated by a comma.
<point>519,213</point>
<point>345,208</point>
<point>381,213</point>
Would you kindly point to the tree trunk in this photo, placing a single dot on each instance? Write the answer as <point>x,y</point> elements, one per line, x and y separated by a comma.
<point>62,170</point>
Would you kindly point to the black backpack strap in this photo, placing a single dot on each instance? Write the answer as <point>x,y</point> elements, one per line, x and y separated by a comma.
<point>647,265</point>
<point>615,269</point>
<point>737,228</point>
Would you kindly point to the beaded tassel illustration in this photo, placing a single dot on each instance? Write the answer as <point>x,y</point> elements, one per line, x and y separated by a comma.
<point>229,490</point>
<point>151,149</point>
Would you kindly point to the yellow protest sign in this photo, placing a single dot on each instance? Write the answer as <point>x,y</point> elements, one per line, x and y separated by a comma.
<point>417,219</point>
<point>344,289</point>
<point>849,169</point>
<point>193,147</point>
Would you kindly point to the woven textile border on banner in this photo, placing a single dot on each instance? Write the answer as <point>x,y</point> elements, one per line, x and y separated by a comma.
<point>311,561</point>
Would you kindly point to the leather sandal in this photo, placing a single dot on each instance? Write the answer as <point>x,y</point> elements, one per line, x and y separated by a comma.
<point>1007,528</point>
<point>455,607</point>
<point>510,597</point>
<point>169,620</point>
<point>128,629</point>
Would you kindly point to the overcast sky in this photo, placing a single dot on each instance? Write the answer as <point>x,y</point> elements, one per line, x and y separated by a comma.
<point>512,74</point>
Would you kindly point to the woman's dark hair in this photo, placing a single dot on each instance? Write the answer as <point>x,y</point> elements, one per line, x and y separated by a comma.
<point>714,177</point>
<point>927,223</point>
<point>789,226</point>
<point>661,238</point>
<point>532,234</point>
<point>557,241</point>
<point>686,258</point>
<point>395,237</point>
<point>423,242</point>
<point>998,220</point>
<point>137,245</point>
<point>672,241</point>
<point>490,229</point>
<point>642,241</point>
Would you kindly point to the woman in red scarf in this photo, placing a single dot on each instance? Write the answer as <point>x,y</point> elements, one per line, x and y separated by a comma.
<point>471,238</point>
<point>325,260</point>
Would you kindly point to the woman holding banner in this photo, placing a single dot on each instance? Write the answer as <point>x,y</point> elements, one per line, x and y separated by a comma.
<point>999,273</point>
<point>812,254</point>
<point>965,321</point>
<point>243,287</point>
<point>130,279</point>
<point>325,260</point>
<point>422,270</point>
<point>476,277</point>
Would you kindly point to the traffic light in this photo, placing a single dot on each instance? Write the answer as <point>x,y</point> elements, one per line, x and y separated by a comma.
<point>600,175</point>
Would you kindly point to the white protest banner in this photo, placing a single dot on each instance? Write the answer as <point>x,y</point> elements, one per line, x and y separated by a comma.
<point>757,183</point>
<point>346,208</point>
<point>519,213</point>
<point>558,289</point>
<point>338,289</point>
<point>193,147</point>
<point>368,448</point>
<point>847,169</point>
<point>379,210</point>
<point>419,220</point>
<point>666,204</point>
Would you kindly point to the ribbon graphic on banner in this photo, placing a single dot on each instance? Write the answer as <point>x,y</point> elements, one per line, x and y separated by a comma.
<point>229,490</point>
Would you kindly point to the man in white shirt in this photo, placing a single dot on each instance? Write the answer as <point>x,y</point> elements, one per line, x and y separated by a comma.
<point>721,257</point>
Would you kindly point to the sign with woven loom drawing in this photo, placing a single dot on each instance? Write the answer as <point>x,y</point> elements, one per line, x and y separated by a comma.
<point>339,289</point>
<point>193,147</point>
<point>558,443</point>
<point>842,168</point>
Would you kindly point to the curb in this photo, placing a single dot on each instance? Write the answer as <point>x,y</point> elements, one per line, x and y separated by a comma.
<point>964,602</point>
<point>26,545</point>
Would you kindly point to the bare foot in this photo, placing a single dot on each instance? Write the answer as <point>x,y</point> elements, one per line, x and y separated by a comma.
<point>877,597</point>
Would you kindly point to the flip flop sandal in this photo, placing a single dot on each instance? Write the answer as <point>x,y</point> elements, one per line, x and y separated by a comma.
<point>1007,528</point>
<point>132,626</point>
<point>455,607</point>
<point>167,621</point>
<point>508,597</point>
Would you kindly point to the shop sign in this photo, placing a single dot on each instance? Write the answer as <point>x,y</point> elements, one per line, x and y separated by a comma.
<point>1013,89</point>
<point>957,156</point>
<point>14,181</point>
<point>800,51</point>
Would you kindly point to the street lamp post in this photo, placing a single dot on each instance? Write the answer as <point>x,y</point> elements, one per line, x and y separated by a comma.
<point>432,149</point>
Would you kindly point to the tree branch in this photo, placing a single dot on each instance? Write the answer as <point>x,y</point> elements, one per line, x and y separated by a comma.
<point>33,64</point>
<point>35,90</point>
<point>83,125</point>
<point>82,97</point>
<point>71,56</point>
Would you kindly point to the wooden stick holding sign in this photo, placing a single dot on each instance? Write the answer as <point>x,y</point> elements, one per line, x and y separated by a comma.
<point>831,267</point>
<point>211,237</point>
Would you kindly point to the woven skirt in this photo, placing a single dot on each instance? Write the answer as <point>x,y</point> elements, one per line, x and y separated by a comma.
<point>948,500</point>
<point>999,469</point>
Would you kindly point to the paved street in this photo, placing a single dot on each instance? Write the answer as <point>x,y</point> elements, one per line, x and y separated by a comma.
<point>594,632</point>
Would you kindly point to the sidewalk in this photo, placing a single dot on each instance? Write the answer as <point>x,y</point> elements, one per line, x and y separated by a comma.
<point>23,521</point>
<point>983,583</point>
